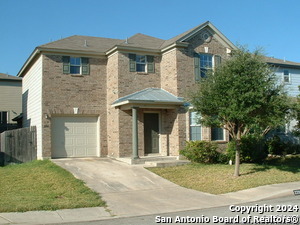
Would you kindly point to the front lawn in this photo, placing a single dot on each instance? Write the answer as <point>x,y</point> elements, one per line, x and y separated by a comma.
<point>42,185</point>
<point>219,179</point>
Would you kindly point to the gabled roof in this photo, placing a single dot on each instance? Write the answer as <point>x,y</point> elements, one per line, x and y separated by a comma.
<point>4,76</point>
<point>103,45</point>
<point>194,31</point>
<point>149,96</point>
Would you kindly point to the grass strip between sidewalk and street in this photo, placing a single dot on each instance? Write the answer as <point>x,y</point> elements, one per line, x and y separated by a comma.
<point>42,185</point>
<point>219,179</point>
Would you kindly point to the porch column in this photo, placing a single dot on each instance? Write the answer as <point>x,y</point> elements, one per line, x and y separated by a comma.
<point>135,153</point>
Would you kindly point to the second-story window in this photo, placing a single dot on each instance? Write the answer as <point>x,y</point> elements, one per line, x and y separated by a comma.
<point>141,63</point>
<point>286,76</point>
<point>76,65</point>
<point>204,63</point>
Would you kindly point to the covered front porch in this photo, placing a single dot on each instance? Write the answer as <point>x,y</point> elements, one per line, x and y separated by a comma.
<point>154,123</point>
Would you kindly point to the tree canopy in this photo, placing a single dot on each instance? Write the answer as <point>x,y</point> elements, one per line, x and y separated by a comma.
<point>240,95</point>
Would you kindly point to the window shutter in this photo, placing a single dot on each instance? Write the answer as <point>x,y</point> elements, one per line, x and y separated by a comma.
<point>150,64</point>
<point>218,60</point>
<point>197,66</point>
<point>85,67</point>
<point>66,64</point>
<point>132,62</point>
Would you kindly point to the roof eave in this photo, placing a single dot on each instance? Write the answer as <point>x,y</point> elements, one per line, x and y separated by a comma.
<point>284,65</point>
<point>175,45</point>
<point>35,52</point>
<point>148,102</point>
<point>131,48</point>
<point>39,50</point>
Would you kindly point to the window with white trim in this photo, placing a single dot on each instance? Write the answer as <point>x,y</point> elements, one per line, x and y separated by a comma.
<point>217,134</point>
<point>286,76</point>
<point>141,63</point>
<point>206,64</point>
<point>195,127</point>
<point>76,65</point>
<point>203,63</point>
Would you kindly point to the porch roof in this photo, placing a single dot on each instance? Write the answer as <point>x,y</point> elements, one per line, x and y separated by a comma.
<point>149,98</point>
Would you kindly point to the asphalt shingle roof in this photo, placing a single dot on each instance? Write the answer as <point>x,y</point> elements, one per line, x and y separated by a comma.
<point>272,60</point>
<point>4,76</point>
<point>84,43</point>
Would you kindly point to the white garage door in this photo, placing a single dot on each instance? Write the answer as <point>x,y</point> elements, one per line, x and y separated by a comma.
<point>74,136</point>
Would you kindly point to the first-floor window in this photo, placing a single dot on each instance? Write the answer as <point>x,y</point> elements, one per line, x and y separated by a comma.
<point>3,117</point>
<point>195,127</point>
<point>217,134</point>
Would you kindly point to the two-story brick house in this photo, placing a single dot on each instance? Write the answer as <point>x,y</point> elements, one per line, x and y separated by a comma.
<point>91,96</point>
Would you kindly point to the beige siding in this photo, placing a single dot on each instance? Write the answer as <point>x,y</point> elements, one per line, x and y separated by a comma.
<point>11,98</point>
<point>32,101</point>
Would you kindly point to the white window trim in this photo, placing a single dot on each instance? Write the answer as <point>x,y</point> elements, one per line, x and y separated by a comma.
<point>144,63</point>
<point>80,66</point>
<point>283,76</point>
<point>194,125</point>
<point>224,133</point>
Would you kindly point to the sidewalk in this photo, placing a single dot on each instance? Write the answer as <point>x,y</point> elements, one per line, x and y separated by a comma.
<point>135,191</point>
<point>100,213</point>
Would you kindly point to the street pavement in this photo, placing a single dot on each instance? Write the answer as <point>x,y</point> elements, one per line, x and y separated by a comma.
<point>132,190</point>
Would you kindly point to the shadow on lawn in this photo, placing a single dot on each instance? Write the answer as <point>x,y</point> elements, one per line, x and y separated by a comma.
<point>289,164</point>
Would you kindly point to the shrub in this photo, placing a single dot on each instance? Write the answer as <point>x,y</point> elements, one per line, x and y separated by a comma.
<point>201,151</point>
<point>253,149</point>
<point>277,146</point>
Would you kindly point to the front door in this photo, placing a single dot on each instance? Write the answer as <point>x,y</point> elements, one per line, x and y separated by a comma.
<point>151,132</point>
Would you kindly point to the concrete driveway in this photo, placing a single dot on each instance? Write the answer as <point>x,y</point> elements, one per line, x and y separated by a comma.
<point>132,190</point>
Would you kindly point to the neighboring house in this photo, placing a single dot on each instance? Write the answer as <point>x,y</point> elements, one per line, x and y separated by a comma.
<point>91,96</point>
<point>288,74</point>
<point>10,101</point>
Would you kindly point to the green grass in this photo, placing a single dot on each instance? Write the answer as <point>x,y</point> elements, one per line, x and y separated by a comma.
<point>219,179</point>
<point>42,185</point>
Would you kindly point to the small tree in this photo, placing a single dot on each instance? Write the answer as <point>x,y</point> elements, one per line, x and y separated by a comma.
<point>239,95</point>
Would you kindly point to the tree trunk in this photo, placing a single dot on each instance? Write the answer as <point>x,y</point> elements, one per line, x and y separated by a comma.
<point>237,154</point>
<point>237,160</point>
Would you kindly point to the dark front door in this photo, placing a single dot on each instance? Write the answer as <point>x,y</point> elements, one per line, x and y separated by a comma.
<point>151,132</point>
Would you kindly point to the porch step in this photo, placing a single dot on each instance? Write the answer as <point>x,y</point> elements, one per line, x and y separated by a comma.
<point>155,161</point>
<point>166,163</point>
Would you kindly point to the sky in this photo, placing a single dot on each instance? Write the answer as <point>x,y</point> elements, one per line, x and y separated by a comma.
<point>25,24</point>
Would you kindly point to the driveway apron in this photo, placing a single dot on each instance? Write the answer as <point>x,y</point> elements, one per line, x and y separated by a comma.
<point>131,190</point>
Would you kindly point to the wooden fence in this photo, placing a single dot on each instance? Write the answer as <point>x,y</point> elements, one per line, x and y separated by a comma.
<point>18,146</point>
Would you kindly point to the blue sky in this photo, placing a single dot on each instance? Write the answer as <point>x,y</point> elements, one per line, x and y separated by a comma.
<point>25,24</point>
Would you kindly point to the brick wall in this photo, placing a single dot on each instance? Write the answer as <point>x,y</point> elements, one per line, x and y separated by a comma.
<point>62,92</point>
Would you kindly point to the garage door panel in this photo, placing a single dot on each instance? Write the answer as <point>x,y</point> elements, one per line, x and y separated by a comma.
<point>80,130</point>
<point>74,136</point>
<point>81,141</point>
<point>91,130</point>
<point>80,152</point>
